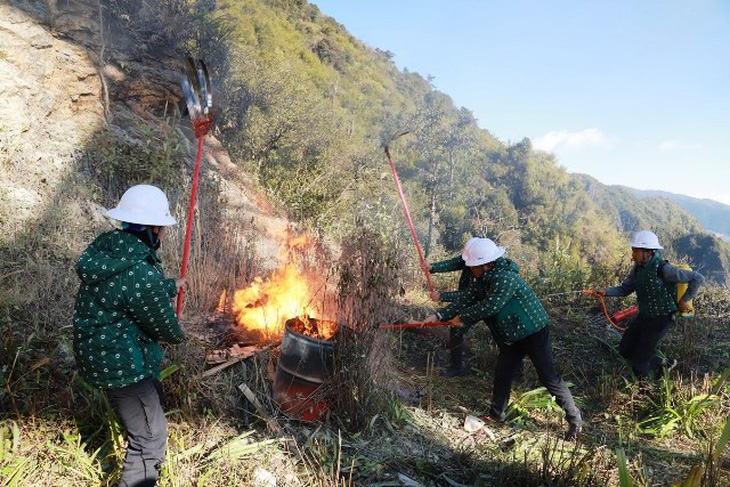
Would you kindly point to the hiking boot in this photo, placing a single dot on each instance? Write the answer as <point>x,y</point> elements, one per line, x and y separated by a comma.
<point>666,364</point>
<point>574,431</point>
<point>494,416</point>
<point>452,371</point>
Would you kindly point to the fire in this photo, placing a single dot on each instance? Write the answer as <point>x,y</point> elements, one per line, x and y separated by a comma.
<point>266,305</point>
<point>320,329</point>
<point>222,301</point>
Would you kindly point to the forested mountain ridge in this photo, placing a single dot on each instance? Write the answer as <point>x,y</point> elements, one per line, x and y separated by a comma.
<point>306,108</point>
<point>92,104</point>
<point>459,179</point>
<point>713,215</point>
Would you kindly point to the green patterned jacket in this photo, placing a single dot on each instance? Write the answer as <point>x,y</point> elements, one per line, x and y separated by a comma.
<point>503,300</point>
<point>122,311</point>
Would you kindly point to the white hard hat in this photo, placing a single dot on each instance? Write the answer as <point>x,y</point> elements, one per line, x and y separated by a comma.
<point>467,245</point>
<point>480,251</point>
<point>645,240</point>
<point>145,205</point>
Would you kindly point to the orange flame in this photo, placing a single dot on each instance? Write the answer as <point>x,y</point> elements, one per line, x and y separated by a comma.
<point>266,305</point>
<point>222,301</point>
<point>320,329</point>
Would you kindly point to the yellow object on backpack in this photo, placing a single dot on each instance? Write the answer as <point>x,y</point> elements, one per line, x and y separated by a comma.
<point>681,289</point>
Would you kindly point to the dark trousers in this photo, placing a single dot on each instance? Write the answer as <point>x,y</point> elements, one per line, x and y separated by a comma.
<point>139,408</point>
<point>456,345</point>
<point>638,344</point>
<point>456,333</point>
<point>538,347</point>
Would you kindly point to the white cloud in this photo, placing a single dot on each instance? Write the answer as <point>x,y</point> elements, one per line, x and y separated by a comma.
<point>672,145</point>
<point>668,145</point>
<point>571,141</point>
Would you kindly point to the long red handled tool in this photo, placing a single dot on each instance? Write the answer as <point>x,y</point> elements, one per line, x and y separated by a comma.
<point>197,91</point>
<point>405,207</point>
<point>398,326</point>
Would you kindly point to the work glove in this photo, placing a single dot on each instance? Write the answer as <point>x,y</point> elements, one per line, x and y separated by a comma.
<point>455,321</point>
<point>182,282</point>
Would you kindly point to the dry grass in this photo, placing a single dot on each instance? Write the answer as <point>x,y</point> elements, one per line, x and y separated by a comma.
<point>391,415</point>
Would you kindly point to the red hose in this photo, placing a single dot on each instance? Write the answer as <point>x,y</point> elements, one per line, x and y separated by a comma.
<point>189,227</point>
<point>605,310</point>
<point>408,216</point>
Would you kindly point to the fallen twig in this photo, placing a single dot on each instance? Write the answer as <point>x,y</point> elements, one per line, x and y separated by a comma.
<point>273,424</point>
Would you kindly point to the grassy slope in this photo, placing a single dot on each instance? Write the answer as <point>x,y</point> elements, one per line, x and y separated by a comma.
<point>218,439</point>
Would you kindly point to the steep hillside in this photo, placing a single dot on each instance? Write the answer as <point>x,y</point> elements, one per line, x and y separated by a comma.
<point>315,106</point>
<point>632,213</point>
<point>91,105</point>
<point>84,116</point>
<point>305,109</point>
<point>707,254</point>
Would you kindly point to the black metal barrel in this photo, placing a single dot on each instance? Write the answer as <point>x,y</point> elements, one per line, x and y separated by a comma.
<point>305,363</point>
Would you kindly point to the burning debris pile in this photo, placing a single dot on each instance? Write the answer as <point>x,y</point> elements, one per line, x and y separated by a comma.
<point>264,306</point>
<point>262,309</point>
<point>322,365</point>
<point>287,307</point>
<point>311,327</point>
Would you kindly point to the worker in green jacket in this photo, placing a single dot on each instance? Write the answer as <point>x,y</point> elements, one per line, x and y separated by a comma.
<point>123,310</point>
<point>654,281</point>
<point>518,322</point>
<point>456,334</point>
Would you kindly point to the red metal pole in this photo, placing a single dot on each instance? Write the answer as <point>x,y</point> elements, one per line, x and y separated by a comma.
<point>189,227</point>
<point>416,325</point>
<point>408,216</point>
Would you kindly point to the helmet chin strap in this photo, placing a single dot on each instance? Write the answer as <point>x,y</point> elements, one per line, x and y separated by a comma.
<point>154,238</point>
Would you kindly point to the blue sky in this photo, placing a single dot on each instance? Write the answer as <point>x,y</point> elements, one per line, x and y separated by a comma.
<point>631,92</point>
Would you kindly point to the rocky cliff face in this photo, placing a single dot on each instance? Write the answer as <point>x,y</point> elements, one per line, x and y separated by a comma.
<point>50,104</point>
<point>61,81</point>
<point>64,76</point>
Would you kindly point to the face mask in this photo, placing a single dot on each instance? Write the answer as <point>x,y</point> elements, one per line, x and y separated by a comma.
<point>144,233</point>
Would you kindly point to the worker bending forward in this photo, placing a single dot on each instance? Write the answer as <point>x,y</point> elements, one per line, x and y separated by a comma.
<point>518,322</point>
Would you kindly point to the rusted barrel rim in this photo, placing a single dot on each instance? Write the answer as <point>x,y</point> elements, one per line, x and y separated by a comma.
<point>309,338</point>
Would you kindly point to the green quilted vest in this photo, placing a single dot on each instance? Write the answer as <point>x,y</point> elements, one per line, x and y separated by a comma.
<point>652,295</point>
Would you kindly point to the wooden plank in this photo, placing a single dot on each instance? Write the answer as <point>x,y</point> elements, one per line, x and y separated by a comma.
<point>249,351</point>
